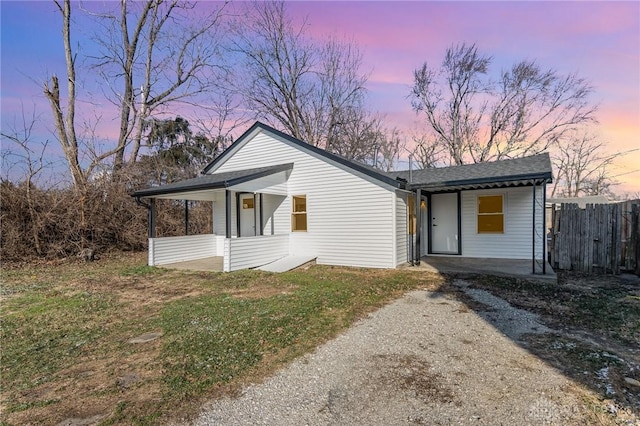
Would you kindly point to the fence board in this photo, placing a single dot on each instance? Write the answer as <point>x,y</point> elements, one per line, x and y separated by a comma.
<point>601,238</point>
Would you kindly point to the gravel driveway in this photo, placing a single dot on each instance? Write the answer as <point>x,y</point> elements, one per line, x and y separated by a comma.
<point>424,359</point>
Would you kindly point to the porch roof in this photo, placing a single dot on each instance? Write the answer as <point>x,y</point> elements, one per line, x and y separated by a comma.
<point>504,173</point>
<point>212,181</point>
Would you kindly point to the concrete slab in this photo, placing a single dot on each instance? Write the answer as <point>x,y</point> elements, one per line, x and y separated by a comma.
<point>465,266</point>
<point>207,264</point>
<point>286,263</point>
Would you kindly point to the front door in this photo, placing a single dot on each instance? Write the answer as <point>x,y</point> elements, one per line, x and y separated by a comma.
<point>247,216</point>
<point>444,223</point>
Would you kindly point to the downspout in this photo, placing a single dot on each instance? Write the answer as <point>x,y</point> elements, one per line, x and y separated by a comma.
<point>533,231</point>
<point>544,228</point>
<point>418,225</point>
<point>411,245</point>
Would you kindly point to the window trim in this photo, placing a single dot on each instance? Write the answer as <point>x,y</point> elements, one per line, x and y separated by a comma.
<point>295,213</point>
<point>501,214</point>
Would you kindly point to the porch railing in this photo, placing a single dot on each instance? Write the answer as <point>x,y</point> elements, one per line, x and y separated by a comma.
<point>166,250</point>
<point>250,252</point>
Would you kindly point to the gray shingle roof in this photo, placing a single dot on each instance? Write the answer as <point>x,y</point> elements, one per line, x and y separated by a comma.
<point>514,171</point>
<point>351,164</point>
<point>213,181</point>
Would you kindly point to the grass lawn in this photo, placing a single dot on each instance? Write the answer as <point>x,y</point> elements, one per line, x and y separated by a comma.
<point>66,331</point>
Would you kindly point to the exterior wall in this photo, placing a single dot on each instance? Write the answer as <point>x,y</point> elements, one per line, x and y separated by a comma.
<point>219,221</point>
<point>179,249</point>
<point>250,252</point>
<point>516,241</point>
<point>275,214</point>
<point>350,219</point>
<point>402,249</point>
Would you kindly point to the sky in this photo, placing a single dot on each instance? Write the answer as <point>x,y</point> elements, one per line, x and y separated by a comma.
<point>600,41</point>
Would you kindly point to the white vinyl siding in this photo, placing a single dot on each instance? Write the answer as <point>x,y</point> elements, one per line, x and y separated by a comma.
<point>251,252</point>
<point>274,217</point>
<point>219,211</point>
<point>350,218</point>
<point>163,251</point>
<point>515,242</point>
<point>402,252</point>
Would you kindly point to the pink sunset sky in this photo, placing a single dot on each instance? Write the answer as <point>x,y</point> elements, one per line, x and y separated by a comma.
<point>598,40</point>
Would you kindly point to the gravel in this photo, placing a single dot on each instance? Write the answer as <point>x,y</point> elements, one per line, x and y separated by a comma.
<point>424,359</point>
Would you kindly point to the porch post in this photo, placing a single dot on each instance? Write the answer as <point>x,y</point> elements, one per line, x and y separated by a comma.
<point>255,214</point>
<point>238,207</point>
<point>418,224</point>
<point>152,218</point>
<point>261,216</point>
<point>186,217</point>
<point>227,215</point>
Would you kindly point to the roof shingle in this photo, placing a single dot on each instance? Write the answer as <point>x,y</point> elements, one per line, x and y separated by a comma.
<point>517,169</point>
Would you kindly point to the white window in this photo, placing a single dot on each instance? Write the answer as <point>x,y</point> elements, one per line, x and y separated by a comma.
<point>299,213</point>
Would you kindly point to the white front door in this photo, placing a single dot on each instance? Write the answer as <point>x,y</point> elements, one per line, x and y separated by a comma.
<point>444,223</point>
<point>247,216</point>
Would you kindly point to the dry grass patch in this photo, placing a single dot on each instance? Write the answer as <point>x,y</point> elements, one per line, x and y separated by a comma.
<point>66,331</point>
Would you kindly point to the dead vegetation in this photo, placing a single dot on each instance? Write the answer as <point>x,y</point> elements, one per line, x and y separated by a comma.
<point>53,224</point>
<point>596,338</point>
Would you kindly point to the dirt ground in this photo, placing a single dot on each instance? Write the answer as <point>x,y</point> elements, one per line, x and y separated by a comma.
<point>453,361</point>
<point>456,356</point>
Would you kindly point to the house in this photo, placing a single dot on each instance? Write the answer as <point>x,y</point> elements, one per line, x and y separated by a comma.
<point>275,196</point>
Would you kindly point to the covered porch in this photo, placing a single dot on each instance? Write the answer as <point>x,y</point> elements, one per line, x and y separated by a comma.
<point>469,266</point>
<point>450,222</point>
<point>247,230</point>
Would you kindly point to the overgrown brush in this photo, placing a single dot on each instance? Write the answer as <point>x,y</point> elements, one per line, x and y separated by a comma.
<point>58,223</point>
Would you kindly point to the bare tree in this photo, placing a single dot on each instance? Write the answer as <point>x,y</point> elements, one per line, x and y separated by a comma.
<point>279,70</point>
<point>427,150</point>
<point>582,167</point>
<point>524,111</point>
<point>358,135</point>
<point>20,151</point>
<point>308,89</point>
<point>169,55</point>
<point>65,121</point>
<point>340,100</point>
<point>389,148</point>
<point>154,56</point>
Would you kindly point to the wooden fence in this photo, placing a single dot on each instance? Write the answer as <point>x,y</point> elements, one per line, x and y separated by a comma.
<point>601,238</point>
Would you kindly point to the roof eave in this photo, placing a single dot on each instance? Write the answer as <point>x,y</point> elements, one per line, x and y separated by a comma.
<point>545,177</point>
<point>150,192</point>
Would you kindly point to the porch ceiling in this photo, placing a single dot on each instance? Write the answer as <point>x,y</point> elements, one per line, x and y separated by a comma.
<point>204,187</point>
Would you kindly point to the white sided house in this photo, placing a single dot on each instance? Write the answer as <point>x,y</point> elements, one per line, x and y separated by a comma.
<point>275,196</point>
